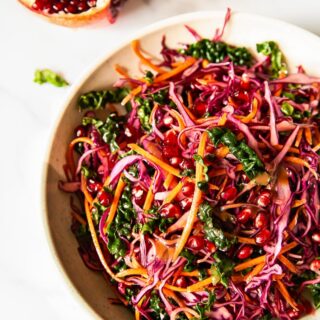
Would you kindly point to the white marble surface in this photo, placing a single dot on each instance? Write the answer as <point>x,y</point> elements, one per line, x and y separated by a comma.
<point>30,285</point>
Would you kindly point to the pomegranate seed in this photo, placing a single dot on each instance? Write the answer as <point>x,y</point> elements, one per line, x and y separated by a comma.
<point>229,193</point>
<point>93,186</point>
<point>168,121</point>
<point>188,189</point>
<point>316,236</point>
<point>175,161</point>
<point>80,131</point>
<point>294,314</point>
<point>245,252</point>
<point>55,6</point>
<point>315,265</point>
<point>185,204</point>
<point>139,195</point>
<point>264,198</point>
<point>186,164</point>
<point>71,9</point>
<point>122,288</point>
<point>83,6</point>
<point>240,97</point>
<point>261,220</point>
<point>58,7</point>
<point>245,178</point>
<point>210,246</point>
<point>170,210</point>
<point>195,243</point>
<point>244,215</point>
<point>263,236</point>
<point>170,138</point>
<point>170,151</point>
<point>200,109</point>
<point>181,282</point>
<point>104,198</point>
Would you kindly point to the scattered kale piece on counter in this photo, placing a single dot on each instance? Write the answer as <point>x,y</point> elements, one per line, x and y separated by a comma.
<point>49,76</point>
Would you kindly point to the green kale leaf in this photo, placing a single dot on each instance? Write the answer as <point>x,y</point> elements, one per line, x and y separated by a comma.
<point>48,76</point>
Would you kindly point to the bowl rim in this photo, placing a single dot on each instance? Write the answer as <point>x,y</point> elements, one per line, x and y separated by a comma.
<point>85,75</point>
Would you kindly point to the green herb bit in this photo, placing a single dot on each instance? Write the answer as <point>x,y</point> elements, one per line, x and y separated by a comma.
<point>287,109</point>
<point>48,76</point>
<point>222,268</point>
<point>191,259</point>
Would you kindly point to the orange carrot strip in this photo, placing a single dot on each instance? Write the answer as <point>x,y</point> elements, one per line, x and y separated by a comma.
<point>78,218</point>
<point>203,120</point>
<point>240,239</point>
<point>154,159</point>
<point>131,94</point>
<point>223,119</point>
<point>97,245</point>
<point>121,70</point>
<point>255,271</point>
<point>167,181</point>
<point>316,148</point>
<point>136,49</point>
<point>114,205</point>
<point>173,193</point>
<point>251,115</point>
<point>298,138</point>
<point>190,114</point>
<point>194,273</point>
<point>149,198</point>
<point>179,301</point>
<point>288,247</point>
<point>250,263</point>
<point>174,288</point>
<point>222,186</point>
<point>288,264</point>
<point>198,286</point>
<point>301,162</point>
<point>167,75</point>
<point>84,190</point>
<point>298,203</point>
<point>221,172</point>
<point>190,100</point>
<point>308,135</point>
<point>131,272</point>
<point>291,149</point>
<point>137,313</point>
<point>221,152</point>
<point>197,197</point>
<point>283,290</point>
<point>179,119</point>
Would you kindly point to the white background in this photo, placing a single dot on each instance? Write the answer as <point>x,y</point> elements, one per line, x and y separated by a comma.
<point>30,285</point>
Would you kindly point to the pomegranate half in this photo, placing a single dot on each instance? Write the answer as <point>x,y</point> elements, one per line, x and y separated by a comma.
<point>73,13</point>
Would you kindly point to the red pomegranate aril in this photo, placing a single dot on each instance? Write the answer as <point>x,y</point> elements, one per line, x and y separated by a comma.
<point>244,215</point>
<point>210,246</point>
<point>80,131</point>
<point>315,265</point>
<point>83,7</point>
<point>104,198</point>
<point>229,193</point>
<point>188,189</point>
<point>181,282</point>
<point>185,204</point>
<point>167,121</point>
<point>170,210</point>
<point>195,243</point>
<point>245,252</point>
<point>293,314</point>
<point>170,138</point>
<point>186,164</point>
<point>175,161</point>
<point>56,6</point>
<point>170,151</point>
<point>200,108</point>
<point>264,198</point>
<point>139,194</point>
<point>261,220</point>
<point>316,236</point>
<point>93,186</point>
<point>263,236</point>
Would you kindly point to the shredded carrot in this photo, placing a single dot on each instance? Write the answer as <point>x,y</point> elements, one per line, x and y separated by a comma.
<point>246,240</point>
<point>288,264</point>
<point>168,180</point>
<point>179,301</point>
<point>136,49</point>
<point>149,198</point>
<point>131,95</point>
<point>221,172</point>
<point>173,193</point>
<point>288,247</point>
<point>316,148</point>
<point>69,156</point>
<point>255,271</point>
<point>298,203</point>
<point>197,197</point>
<point>97,245</point>
<point>179,119</point>
<point>203,120</point>
<point>251,115</point>
<point>308,135</point>
<point>78,218</point>
<point>154,159</point>
<point>222,186</point>
<point>294,221</point>
<point>174,288</point>
<point>291,149</point>
<point>190,114</point>
<point>223,119</point>
<point>301,162</point>
<point>298,138</point>
<point>136,311</point>
<point>114,205</point>
<point>190,100</point>
<point>85,191</point>
<point>283,290</point>
<point>194,273</point>
<point>221,152</point>
<point>167,75</point>
<point>250,263</point>
<point>121,70</point>
<point>198,286</point>
<point>131,272</point>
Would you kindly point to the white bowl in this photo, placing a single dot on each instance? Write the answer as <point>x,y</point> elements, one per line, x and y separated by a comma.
<point>300,48</point>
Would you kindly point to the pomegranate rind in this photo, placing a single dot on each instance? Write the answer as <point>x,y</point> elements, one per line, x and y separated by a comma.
<point>74,20</point>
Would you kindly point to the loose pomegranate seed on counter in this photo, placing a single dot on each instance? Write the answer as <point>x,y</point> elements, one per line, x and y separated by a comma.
<point>170,210</point>
<point>175,161</point>
<point>195,243</point>
<point>315,265</point>
<point>104,198</point>
<point>210,246</point>
<point>186,203</point>
<point>261,220</point>
<point>139,194</point>
<point>245,252</point>
<point>80,131</point>
<point>244,215</point>
<point>188,189</point>
<point>93,186</point>
<point>168,121</point>
<point>316,236</point>
<point>181,282</point>
<point>264,198</point>
<point>229,193</point>
<point>263,236</point>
